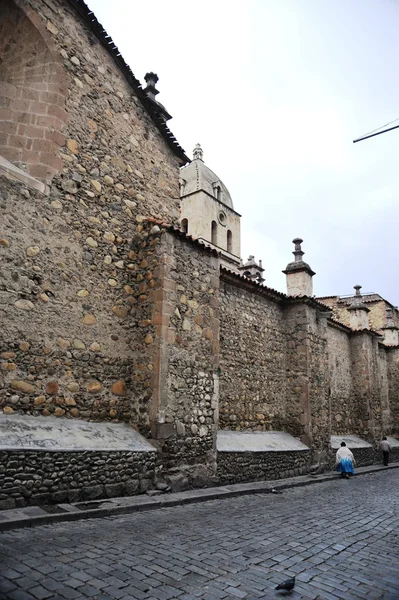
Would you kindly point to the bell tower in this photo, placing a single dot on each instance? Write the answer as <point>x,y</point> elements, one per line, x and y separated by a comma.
<point>207,212</point>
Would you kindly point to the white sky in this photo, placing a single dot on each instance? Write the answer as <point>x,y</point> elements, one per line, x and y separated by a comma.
<point>275,91</point>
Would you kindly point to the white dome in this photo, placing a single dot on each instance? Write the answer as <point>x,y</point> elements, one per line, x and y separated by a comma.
<point>196,176</point>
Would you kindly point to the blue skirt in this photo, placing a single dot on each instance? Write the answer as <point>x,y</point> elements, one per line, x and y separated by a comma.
<point>345,466</point>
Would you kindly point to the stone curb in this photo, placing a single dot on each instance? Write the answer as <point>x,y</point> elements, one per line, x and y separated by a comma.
<point>32,516</point>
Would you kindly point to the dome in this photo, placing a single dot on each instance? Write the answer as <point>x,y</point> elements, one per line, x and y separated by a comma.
<point>196,176</point>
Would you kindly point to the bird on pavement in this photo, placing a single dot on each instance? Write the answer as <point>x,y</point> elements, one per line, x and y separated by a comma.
<point>287,585</point>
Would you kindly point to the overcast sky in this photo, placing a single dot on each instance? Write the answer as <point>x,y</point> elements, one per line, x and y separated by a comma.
<point>275,91</point>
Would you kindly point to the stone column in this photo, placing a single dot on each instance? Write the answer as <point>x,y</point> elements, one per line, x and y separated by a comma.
<point>390,331</point>
<point>185,394</point>
<point>359,318</point>
<point>299,274</point>
<point>307,376</point>
<point>366,392</point>
<point>393,379</point>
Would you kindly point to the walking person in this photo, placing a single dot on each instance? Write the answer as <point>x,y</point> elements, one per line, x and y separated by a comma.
<point>386,449</point>
<point>345,461</point>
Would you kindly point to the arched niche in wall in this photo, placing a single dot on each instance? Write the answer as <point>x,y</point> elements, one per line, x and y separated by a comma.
<point>32,92</point>
<point>184,225</point>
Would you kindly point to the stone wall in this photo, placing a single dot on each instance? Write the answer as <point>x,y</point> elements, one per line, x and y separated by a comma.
<point>393,386</point>
<point>341,391</point>
<point>237,467</point>
<point>253,359</point>
<point>33,477</point>
<point>73,269</point>
<point>74,310</point>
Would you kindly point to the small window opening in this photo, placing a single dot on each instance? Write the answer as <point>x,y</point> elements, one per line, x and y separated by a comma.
<point>214,233</point>
<point>184,226</point>
<point>229,241</point>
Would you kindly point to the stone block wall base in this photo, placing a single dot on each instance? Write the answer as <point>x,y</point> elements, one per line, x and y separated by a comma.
<point>39,478</point>
<point>394,457</point>
<point>239,467</point>
<point>363,456</point>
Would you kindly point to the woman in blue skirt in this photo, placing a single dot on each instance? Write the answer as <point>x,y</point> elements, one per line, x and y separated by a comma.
<point>345,461</point>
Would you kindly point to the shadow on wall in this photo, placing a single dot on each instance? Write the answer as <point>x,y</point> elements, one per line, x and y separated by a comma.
<point>32,93</point>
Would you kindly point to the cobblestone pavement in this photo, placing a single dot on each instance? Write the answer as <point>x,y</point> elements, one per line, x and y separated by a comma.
<point>340,539</point>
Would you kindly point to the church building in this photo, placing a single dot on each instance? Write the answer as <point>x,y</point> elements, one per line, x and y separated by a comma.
<point>137,348</point>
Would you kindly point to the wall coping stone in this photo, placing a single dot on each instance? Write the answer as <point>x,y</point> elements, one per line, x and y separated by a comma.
<point>254,287</point>
<point>258,441</point>
<point>13,173</point>
<point>52,434</point>
<point>352,441</point>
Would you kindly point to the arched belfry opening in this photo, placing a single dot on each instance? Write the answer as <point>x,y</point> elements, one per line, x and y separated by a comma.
<point>229,241</point>
<point>32,94</point>
<point>214,233</point>
<point>184,226</point>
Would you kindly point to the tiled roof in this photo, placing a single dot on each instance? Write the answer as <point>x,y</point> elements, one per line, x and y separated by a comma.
<point>259,287</point>
<point>335,321</point>
<point>91,21</point>
<point>366,298</point>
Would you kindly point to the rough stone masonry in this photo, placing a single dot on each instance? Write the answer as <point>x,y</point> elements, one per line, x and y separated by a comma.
<point>109,313</point>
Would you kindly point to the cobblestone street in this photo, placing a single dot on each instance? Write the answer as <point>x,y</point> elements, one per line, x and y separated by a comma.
<point>340,539</point>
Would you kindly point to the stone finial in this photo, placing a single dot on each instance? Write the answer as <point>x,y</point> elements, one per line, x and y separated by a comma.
<point>390,330</point>
<point>298,273</point>
<point>358,311</point>
<point>198,153</point>
<point>298,252</point>
<point>252,270</point>
<point>357,288</point>
<point>151,80</point>
<point>151,91</point>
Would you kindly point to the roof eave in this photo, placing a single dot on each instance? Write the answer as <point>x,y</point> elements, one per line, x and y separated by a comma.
<point>91,21</point>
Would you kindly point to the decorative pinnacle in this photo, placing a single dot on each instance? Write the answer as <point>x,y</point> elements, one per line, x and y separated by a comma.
<point>151,79</point>
<point>357,303</point>
<point>198,152</point>
<point>298,252</point>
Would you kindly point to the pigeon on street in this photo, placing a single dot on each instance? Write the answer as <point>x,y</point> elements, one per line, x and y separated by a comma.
<point>287,585</point>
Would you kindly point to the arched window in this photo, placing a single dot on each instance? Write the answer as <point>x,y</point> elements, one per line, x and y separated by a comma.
<point>229,241</point>
<point>32,93</point>
<point>184,225</point>
<point>214,231</point>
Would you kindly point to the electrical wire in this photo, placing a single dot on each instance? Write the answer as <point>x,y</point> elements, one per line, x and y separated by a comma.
<point>378,128</point>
